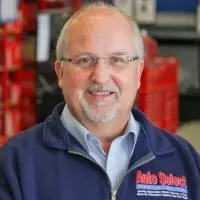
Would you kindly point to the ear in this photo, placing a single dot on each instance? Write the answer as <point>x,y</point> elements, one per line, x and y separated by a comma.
<point>140,70</point>
<point>59,72</point>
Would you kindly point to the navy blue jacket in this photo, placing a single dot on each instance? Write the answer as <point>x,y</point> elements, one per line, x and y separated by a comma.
<point>46,163</point>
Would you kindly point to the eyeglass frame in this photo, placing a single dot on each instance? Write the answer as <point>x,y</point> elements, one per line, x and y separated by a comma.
<point>106,59</point>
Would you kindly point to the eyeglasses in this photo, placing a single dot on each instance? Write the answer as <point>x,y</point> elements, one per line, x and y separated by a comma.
<point>90,60</point>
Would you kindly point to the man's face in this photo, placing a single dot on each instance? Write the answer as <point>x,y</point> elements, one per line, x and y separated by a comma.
<point>101,92</point>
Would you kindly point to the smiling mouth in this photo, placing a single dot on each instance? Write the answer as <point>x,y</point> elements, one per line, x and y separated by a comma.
<point>98,96</point>
<point>101,93</point>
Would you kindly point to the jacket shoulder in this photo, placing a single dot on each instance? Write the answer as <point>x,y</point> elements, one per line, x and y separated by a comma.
<point>185,149</point>
<point>24,138</point>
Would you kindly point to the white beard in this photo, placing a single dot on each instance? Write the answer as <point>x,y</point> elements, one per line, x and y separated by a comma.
<point>105,113</point>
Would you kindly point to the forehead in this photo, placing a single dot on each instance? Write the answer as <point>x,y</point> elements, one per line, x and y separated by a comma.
<point>100,29</point>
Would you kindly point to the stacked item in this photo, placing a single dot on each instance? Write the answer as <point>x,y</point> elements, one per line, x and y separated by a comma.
<point>46,4</point>
<point>14,76</point>
<point>158,94</point>
<point>27,80</point>
<point>10,63</point>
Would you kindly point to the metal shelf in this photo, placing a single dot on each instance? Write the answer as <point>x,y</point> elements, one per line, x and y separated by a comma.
<point>171,33</point>
<point>175,34</point>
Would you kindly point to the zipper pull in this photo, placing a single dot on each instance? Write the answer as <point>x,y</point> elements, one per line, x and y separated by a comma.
<point>114,194</point>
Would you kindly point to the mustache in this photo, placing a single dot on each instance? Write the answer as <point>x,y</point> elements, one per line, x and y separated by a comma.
<point>101,88</point>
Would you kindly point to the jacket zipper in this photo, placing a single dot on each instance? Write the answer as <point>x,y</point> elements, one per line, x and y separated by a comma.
<point>114,194</point>
<point>138,164</point>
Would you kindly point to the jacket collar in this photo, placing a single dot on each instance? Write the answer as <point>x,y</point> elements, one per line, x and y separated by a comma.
<point>151,138</point>
<point>54,133</point>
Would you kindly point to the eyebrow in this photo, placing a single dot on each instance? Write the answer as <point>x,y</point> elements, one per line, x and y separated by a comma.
<point>119,53</point>
<point>84,53</point>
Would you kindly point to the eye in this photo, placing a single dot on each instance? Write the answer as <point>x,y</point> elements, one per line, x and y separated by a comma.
<point>83,60</point>
<point>118,59</point>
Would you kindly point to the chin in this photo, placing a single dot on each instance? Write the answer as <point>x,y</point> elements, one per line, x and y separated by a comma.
<point>101,114</point>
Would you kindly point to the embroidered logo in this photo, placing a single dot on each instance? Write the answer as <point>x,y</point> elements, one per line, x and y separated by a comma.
<point>161,185</point>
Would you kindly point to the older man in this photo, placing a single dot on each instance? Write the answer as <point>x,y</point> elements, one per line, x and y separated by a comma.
<point>93,147</point>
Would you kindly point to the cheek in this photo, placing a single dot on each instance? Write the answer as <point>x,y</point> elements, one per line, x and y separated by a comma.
<point>127,83</point>
<point>74,84</point>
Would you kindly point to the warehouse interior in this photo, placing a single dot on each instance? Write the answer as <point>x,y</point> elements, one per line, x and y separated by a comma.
<point>171,80</point>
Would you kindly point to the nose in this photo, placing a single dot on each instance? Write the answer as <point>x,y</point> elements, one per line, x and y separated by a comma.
<point>101,72</point>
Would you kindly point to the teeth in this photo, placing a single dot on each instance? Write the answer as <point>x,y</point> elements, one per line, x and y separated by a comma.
<point>101,93</point>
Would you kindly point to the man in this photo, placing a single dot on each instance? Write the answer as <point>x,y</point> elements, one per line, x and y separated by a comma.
<point>94,147</point>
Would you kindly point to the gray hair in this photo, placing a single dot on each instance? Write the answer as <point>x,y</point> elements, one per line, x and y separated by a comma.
<point>61,43</point>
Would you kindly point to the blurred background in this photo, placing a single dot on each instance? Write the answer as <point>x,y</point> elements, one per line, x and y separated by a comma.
<point>170,90</point>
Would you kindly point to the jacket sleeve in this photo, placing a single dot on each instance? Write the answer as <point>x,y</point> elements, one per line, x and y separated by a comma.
<point>189,154</point>
<point>196,157</point>
<point>9,185</point>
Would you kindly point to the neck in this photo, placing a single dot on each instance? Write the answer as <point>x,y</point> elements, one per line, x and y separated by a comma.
<point>106,132</point>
